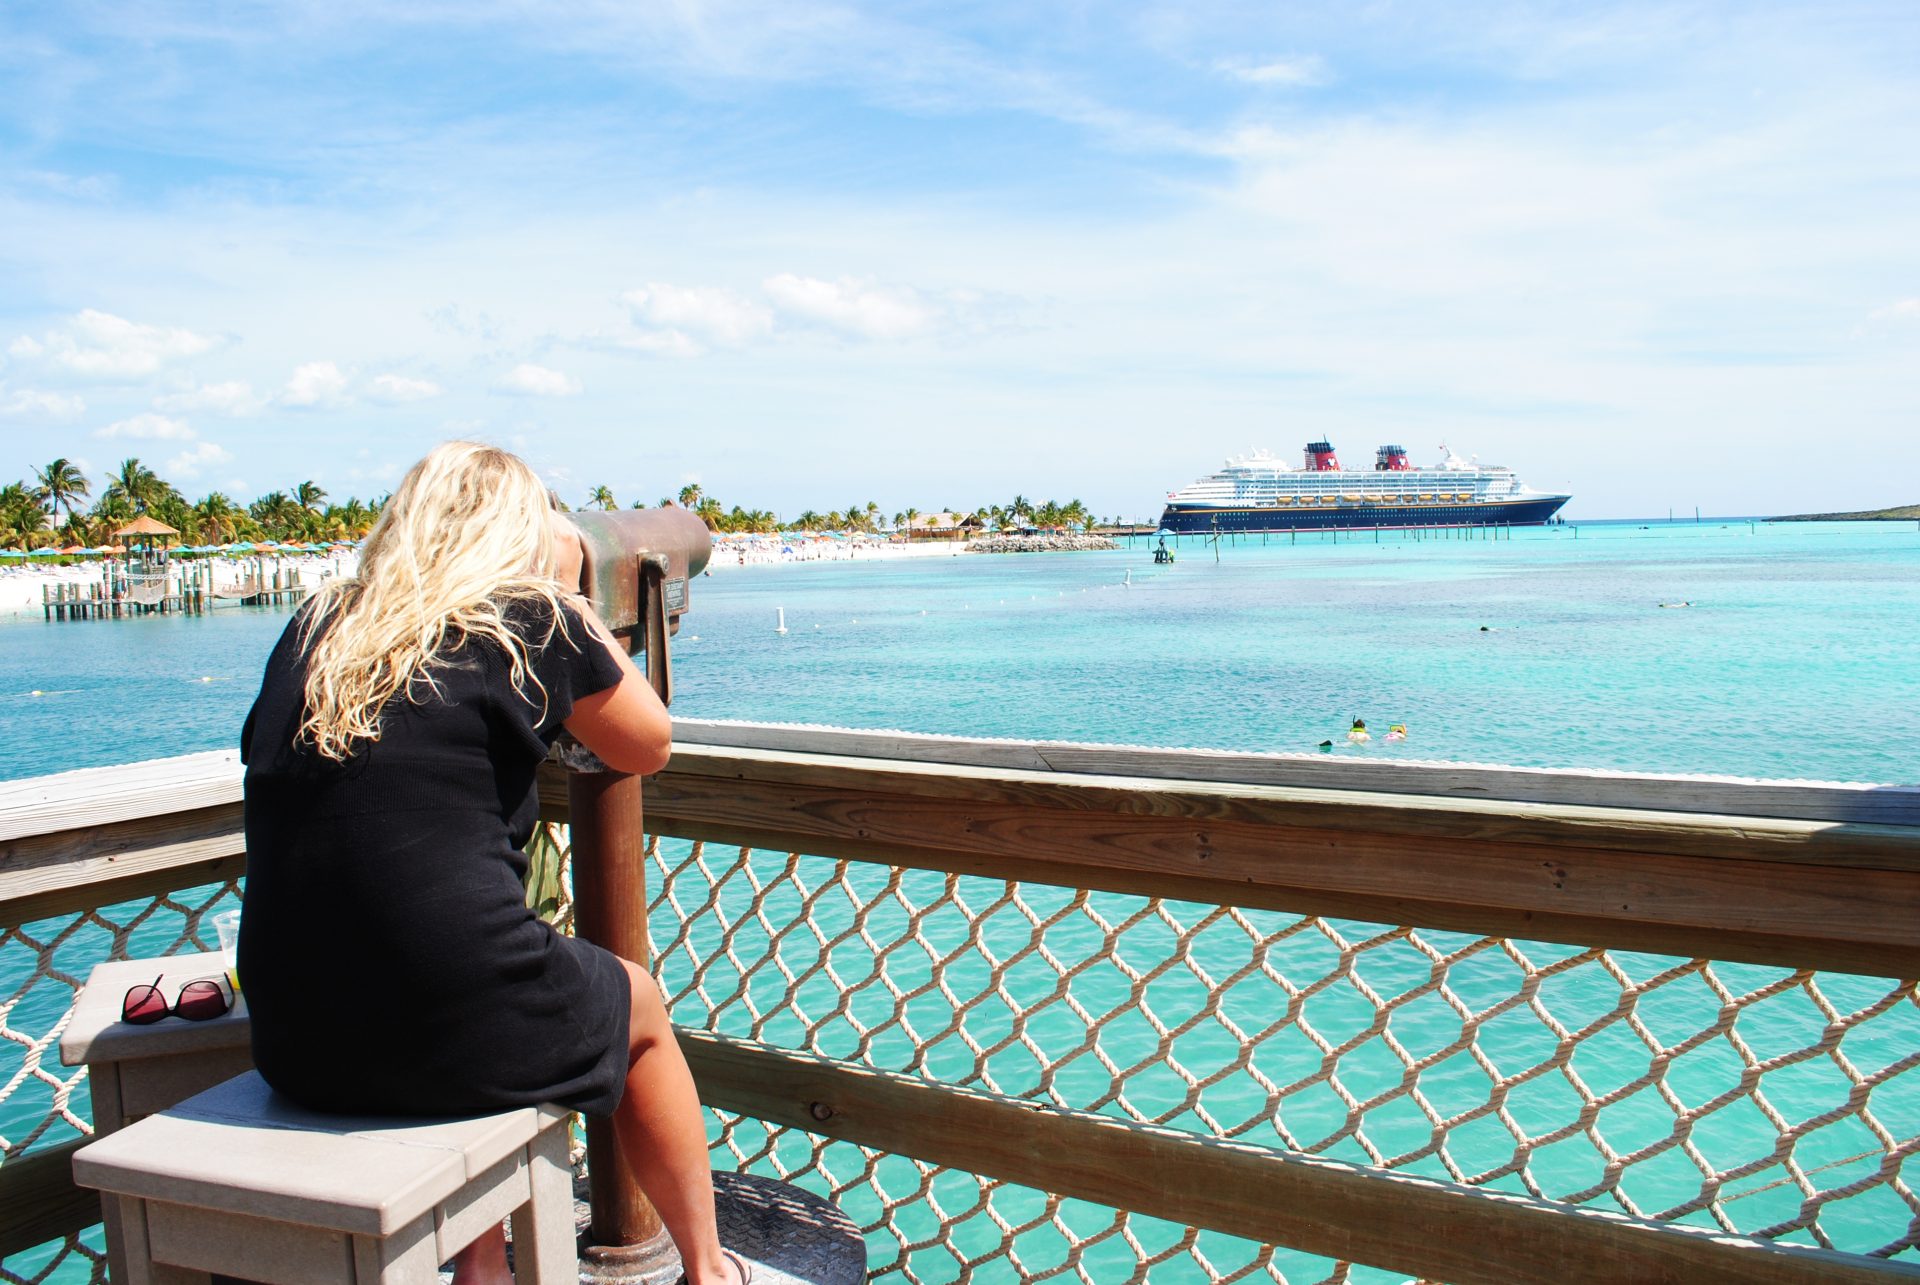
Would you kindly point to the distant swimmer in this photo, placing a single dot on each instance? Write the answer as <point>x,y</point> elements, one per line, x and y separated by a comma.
<point>1358,733</point>
<point>1397,732</point>
<point>1676,604</point>
<point>1326,745</point>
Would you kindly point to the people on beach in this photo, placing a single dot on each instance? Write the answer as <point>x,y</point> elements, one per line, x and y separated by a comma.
<point>390,764</point>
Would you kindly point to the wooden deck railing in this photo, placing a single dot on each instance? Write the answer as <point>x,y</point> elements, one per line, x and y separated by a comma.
<point>1355,1009</point>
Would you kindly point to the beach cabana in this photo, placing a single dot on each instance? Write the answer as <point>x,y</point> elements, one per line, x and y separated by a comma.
<point>144,533</point>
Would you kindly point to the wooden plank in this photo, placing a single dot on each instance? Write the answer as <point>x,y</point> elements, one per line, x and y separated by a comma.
<point>1807,800</point>
<point>64,871</point>
<point>1435,1230</point>
<point>1416,817</point>
<point>1777,911</point>
<point>39,1201</point>
<point>98,795</point>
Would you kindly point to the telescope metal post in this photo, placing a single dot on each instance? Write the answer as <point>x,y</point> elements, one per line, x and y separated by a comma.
<point>626,1240</point>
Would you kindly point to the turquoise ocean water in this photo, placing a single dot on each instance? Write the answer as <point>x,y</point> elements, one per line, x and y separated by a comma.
<point>1796,658</point>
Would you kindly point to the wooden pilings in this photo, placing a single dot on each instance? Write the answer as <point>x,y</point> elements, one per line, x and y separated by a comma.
<point>185,588</point>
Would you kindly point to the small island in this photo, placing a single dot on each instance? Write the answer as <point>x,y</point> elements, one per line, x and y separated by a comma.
<point>1898,513</point>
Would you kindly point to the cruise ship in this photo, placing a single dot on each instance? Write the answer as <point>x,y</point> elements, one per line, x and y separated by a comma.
<point>1262,492</point>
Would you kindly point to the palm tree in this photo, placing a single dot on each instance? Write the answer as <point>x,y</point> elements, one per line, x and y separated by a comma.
<point>709,512</point>
<point>308,496</point>
<point>277,513</point>
<point>666,502</point>
<point>21,517</point>
<point>352,518</point>
<point>690,495</point>
<point>216,519</point>
<point>601,497</point>
<point>137,484</point>
<point>61,484</point>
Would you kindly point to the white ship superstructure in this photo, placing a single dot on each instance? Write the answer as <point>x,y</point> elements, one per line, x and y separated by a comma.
<point>1262,492</point>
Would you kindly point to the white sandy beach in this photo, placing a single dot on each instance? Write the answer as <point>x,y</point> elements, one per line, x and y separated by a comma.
<point>22,586</point>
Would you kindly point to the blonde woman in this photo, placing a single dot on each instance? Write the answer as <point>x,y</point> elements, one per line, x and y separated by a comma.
<point>391,962</point>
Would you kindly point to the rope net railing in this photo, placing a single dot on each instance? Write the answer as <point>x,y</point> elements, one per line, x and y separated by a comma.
<point>43,965</point>
<point>1758,1101</point>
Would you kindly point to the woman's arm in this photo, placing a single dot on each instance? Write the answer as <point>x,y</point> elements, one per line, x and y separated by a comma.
<point>625,725</point>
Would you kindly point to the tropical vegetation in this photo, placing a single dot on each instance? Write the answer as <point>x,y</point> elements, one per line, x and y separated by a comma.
<point>51,510</point>
<point>60,507</point>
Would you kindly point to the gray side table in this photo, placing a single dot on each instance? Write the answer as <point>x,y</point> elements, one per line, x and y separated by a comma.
<point>135,1071</point>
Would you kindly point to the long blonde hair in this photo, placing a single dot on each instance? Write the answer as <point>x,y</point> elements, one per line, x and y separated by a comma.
<point>464,537</point>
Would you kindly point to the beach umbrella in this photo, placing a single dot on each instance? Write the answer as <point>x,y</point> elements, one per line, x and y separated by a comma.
<point>44,553</point>
<point>12,553</point>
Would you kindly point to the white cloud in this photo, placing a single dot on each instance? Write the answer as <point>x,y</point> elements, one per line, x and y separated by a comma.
<point>314,384</point>
<point>29,403</point>
<point>201,455</point>
<point>680,318</point>
<point>529,380</point>
<point>103,346</point>
<point>1301,72</point>
<point>852,306</point>
<point>1899,310</point>
<point>233,397</point>
<point>149,427</point>
<point>666,343</point>
<point>402,388</point>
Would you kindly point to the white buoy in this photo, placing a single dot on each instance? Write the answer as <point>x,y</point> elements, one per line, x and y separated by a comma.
<point>781,628</point>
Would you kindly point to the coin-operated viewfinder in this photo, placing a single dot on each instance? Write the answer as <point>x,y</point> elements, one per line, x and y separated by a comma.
<point>637,567</point>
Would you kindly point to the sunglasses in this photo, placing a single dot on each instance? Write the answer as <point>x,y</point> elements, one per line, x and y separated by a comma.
<point>198,1001</point>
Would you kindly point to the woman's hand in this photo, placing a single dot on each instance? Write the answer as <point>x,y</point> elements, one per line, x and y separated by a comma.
<point>568,554</point>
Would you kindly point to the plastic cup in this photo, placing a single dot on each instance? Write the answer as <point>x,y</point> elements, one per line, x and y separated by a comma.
<point>227,925</point>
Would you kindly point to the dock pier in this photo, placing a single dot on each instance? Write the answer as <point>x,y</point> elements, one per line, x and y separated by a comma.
<point>186,589</point>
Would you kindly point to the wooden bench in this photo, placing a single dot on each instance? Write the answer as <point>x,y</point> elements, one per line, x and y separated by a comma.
<point>237,1180</point>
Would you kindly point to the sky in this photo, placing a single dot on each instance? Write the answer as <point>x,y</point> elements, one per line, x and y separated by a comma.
<point>937,255</point>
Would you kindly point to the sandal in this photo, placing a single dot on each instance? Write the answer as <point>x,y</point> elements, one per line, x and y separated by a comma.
<point>741,1265</point>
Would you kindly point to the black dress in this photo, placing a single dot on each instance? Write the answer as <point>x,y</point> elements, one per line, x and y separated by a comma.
<point>387,953</point>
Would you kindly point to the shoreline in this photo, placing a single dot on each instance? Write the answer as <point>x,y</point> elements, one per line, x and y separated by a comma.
<point>21,586</point>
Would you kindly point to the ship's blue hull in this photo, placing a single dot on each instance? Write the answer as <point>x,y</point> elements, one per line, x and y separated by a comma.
<point>1534,511</point>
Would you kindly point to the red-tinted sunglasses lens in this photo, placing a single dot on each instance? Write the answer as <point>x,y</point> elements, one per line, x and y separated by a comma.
<point>199,1001</point>
<point>143,1005</point>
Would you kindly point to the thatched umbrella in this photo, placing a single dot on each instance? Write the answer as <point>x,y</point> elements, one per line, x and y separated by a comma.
<point>143,532</point>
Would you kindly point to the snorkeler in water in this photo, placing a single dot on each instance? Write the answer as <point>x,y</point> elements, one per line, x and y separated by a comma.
<point>1358,733</point>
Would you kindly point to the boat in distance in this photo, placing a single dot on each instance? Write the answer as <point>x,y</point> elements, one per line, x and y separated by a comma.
<point>1262,492</point>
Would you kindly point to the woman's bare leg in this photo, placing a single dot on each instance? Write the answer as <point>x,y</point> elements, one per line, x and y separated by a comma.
<point>664,1137</point>
<point>484,1262</point>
